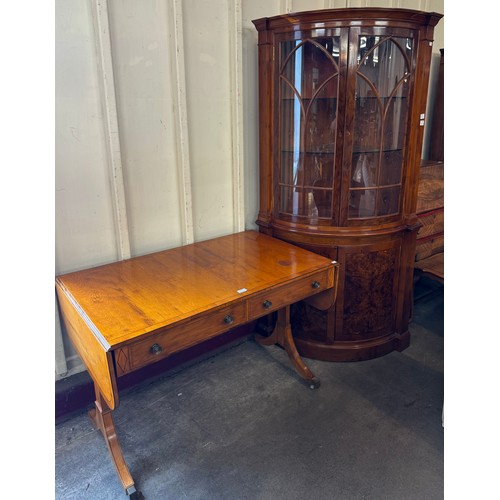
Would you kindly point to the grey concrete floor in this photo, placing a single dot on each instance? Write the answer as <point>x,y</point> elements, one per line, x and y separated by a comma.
<point>242,425</point>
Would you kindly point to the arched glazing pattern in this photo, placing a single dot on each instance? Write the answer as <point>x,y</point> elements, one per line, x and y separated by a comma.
<point>382,93</point>
<point>309,74</point>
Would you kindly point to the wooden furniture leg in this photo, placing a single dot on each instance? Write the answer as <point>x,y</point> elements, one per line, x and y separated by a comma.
<point>102,419</point>
<point>282,335</point>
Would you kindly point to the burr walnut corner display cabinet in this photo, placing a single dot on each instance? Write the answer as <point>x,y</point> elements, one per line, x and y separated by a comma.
<point>342,100</point>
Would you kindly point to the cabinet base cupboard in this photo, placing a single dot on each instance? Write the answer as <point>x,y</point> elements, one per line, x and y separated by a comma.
<point>342,100</point>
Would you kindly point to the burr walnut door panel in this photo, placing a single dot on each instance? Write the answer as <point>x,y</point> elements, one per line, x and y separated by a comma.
<point>369,299</point>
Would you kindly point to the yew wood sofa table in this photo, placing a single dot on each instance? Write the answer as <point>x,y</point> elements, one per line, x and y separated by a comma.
<point>126,315</point>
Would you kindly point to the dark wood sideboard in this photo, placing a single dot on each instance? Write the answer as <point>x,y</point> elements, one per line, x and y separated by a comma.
<point>429,253</point>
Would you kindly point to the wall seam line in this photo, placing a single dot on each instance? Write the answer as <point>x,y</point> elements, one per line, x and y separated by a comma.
<point>236,103</point>
<point>181,122</point>
<point>112,133</point>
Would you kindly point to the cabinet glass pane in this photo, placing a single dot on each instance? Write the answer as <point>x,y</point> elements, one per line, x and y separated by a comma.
<point>395,123</point>
<point>297,201</point>
<point>384,62</point>
<point>323,201</point>
<point>390,171</point>
<point>380,122</point>
<point>364,169</point>
<point>367,125</point>
<point>362,203</point>
<point>388,200</point>
<point>308,92</point>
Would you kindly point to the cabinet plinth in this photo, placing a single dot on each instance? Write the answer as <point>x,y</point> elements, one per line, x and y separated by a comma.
<point>342,99</point>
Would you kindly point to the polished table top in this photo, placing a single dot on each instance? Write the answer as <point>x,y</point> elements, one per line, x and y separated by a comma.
<point>126,315</point>
<point>124,300</point>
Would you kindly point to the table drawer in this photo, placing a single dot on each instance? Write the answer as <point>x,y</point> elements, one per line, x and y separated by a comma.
<point>289,293</point>
<point>177,338</point>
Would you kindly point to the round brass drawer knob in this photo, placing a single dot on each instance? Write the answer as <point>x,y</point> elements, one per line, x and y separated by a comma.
<point>156,349</point>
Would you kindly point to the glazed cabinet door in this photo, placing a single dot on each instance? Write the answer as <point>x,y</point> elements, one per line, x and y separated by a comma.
<point>342,100</point>
<point>379,96</point>
<point>309,108</point>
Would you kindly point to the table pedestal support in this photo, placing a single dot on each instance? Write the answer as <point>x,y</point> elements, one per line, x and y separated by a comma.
<point>102,419</point>
<point>282,335</point>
